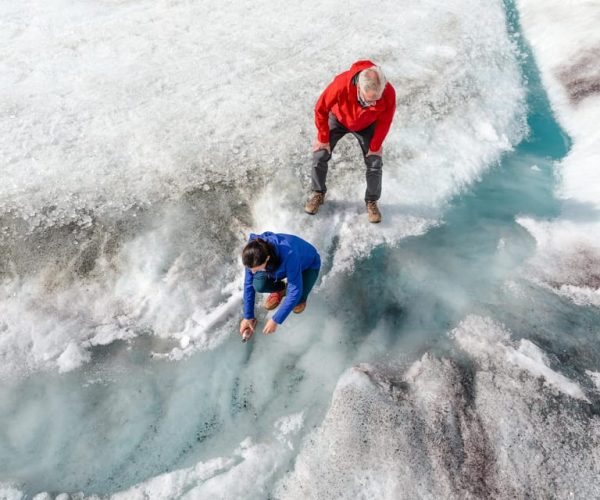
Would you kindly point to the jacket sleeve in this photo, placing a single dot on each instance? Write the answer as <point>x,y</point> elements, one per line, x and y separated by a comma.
<point>249,295</point>
<point>324,104</point>
<point>384,122</point>
<point>294,288</point>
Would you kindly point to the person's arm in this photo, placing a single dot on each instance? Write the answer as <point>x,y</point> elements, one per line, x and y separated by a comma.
<point>384,122</point>
<point>294,288</point>
<point>322,109</point>
<point>248,324</point>
<point>249,295</point>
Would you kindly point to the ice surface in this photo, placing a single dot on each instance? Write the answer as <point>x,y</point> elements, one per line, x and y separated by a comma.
<point>488,342</point>
<point>491,429</point>
<point>195,90</point>
<point>245,475</point>
<point>565,40</point>
<point>568,257</point>
<point>144,141</point>
<point>128,418</point>
<point>7,492</point>
<point>595,376</point>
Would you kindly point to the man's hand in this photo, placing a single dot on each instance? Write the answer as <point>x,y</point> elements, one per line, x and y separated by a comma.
<point>379,152</point>
<point>247,327</point>
<point>321,145</point>
<point>270,327</point>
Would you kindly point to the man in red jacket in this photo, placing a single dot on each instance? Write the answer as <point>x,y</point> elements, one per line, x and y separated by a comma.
<point>361,102</point>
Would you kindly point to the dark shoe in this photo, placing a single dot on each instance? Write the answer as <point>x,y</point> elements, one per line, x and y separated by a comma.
<point>373,212</point>
<point>274,299</point>
<point>300,307</point>
<point>314,202</point>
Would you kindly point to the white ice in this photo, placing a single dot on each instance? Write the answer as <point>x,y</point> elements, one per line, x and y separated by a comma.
<point>398,432</point>
<point>112,113</point>
<point>565,40</point>
<point>250,469</point>
<point>489,342</point>
<point>111,110</point>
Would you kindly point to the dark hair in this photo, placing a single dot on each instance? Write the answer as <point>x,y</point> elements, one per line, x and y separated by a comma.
<point>255,253</point>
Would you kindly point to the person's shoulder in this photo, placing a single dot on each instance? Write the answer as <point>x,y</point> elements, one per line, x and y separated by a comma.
<point>285,239</point>
<point>348,74</point>
<point>345,77</point>
<point>339,82</point>
<point>389,94</point>
<point>289,242</point>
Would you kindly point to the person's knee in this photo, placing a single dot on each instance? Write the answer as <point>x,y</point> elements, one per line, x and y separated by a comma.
<point>260,281</point>
<point>321,156</point>
<point>374,163</point>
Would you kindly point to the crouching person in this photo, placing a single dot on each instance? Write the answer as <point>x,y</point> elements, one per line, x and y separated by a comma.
<point>269,259</point>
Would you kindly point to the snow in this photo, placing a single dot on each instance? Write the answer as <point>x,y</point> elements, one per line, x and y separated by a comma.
<point>145,140</point>
<point>565,39</point>
<point>8,492</point>
<point>133,176</point>
<point>72,357</point>
<point>439,430</point>
<point>486,341</point>
<point>248,469</point>
<point>595,376</point>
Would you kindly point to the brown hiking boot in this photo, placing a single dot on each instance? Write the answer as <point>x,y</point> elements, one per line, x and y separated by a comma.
<point>300,307</point>
<point>314,202</point>
<point>373,212</point>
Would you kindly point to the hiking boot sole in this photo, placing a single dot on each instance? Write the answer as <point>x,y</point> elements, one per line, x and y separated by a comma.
<point>299,308</point>
<point>270,307</point>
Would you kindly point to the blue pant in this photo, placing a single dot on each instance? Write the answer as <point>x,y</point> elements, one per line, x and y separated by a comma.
<point>263,284</point>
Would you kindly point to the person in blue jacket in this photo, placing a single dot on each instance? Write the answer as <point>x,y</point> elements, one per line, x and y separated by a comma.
<point>270,258</point>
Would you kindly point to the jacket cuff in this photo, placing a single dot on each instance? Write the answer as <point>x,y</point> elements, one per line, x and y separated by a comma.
<point>323,136</point>
<point>374,146</point>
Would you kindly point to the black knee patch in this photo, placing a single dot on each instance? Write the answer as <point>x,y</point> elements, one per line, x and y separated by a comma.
<point>321,155</point>
<point>373,162</point>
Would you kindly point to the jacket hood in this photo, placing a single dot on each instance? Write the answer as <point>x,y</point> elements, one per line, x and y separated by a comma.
<point>267,236</point>
<point>360,65</point>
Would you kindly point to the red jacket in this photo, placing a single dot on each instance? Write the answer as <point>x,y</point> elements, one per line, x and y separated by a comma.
<point>340,97</point>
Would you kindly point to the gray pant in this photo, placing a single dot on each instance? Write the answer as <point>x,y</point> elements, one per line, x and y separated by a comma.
<point>374,163</point>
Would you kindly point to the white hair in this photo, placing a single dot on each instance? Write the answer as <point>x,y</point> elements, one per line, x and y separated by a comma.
<point>372,79</point>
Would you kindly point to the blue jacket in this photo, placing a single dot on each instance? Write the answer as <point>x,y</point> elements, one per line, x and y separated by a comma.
<point>295,255</point>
